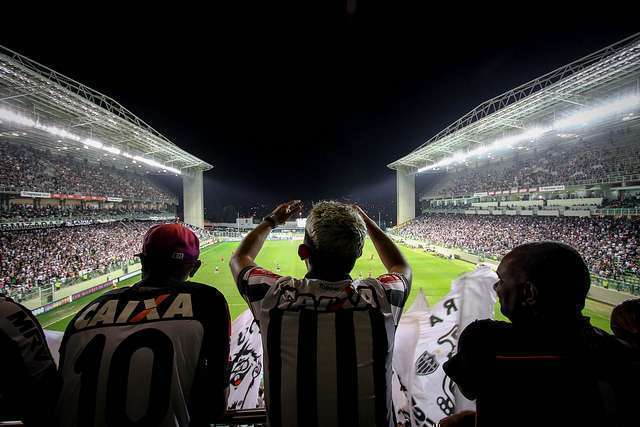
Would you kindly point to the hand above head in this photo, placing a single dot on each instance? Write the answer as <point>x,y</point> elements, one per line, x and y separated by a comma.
<point>358,209</point>
<point>251,245</point>
<point>389,253</point>
<point>285,211</point>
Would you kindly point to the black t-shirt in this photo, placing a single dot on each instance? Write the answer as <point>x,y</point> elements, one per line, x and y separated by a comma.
<point>156,355</point>
<point>30,384</point>
<point>569,374</point>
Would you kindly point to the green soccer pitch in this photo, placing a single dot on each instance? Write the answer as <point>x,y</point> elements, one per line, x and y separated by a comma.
<point>431,273</point>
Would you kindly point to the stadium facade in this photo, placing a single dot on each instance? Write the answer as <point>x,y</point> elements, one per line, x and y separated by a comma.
<point>588,98</point>
<point>44,109</point>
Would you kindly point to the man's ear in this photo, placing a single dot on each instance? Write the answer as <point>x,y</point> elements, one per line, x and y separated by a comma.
<point>195,268</point>
<point>530,294</point>
<point>304,252</point>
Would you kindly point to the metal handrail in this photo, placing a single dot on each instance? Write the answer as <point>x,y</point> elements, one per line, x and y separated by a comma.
<point>256,416</point>
<point>234,417</point>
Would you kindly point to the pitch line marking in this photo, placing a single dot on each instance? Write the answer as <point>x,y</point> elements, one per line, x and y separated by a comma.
<point>60,319</point>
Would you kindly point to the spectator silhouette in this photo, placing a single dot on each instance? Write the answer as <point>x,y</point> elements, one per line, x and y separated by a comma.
<point>30,383</point>
<point>625,322</point>
<point>155,353</point>
<point>549,366</point>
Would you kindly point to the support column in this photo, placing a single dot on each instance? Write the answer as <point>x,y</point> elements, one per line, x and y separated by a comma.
<point>192,197</point>
<point>406,195</point>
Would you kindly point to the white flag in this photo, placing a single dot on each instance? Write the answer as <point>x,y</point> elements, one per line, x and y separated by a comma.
<point>477,300</point>
<point>428,337</point>
<point>54,339</point>
<point>245,381</point>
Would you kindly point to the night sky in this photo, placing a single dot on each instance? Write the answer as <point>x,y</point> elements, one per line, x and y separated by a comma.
<point>307,104</point>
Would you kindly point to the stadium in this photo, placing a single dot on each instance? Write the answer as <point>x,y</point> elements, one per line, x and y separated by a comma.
<point>82,179</point>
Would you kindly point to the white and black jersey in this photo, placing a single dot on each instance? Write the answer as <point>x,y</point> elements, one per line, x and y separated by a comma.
<point>30,383</point>
<point>328,346</point>
<point>146,356</point>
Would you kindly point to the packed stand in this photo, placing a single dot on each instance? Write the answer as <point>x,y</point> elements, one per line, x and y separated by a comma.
<point>609,245</point>
<point>627,203</point>
<point>577,163</point>
<point>24,168</point>
<point>22,213</point>
<point>33,258</point>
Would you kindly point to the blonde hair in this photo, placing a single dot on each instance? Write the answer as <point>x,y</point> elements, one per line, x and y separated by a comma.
<point>336,230</point>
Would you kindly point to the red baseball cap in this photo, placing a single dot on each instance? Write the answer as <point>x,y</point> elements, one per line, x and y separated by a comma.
<point>172,242</point>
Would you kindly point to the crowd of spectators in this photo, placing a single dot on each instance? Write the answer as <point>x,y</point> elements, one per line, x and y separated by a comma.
<point>21,213</point>
<point>24,168</point>
<point>47,256</point>
<point>627,202</point>
<point>609,245</point>
<point>575,163</point>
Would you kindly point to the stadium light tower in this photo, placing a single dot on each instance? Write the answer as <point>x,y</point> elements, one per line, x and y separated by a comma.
<point>192,195</point>
<point>406,191</point>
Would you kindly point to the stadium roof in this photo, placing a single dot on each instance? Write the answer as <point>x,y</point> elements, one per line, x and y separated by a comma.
<point>613,69</point>
<point>44,107</point>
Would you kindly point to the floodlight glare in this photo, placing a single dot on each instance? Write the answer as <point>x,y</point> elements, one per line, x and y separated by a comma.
<point>600,112</point>
<point>580,118</point>
<point>112,150</point>
<point>16,118</point>
<point>19,119</point>
<point>93,143</point>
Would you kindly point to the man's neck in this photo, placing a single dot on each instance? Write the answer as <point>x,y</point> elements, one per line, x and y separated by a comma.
<point>559,324</point>
<point>157,280</point>
<point>329,276</point>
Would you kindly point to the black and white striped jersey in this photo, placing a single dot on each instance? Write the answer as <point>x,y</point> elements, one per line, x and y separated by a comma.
<point>146,355</point>
<point>30,382</point>
<point>328,346</point>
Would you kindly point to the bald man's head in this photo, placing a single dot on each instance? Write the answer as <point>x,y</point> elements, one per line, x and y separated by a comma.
<point>552,277</point>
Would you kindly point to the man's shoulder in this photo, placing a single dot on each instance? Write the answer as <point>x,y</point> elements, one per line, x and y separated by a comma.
<point>256,273</point>
<point>391,277</point>
<point>14,317</point>
<point>254,276</point>
<point>114,293</point>
<point>8,306</point>
<point>486,330</point>
<point>202,290</point>
<point>141,289</point>
<point>387,281</point>
<point>199,293</point>
<point>608,346</point>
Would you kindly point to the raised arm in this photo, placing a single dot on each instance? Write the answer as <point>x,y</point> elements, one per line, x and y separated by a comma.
<point>251,245</point>
<point>389,253</point>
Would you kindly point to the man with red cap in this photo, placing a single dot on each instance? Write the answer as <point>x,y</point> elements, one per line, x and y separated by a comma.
<point>155,353</point>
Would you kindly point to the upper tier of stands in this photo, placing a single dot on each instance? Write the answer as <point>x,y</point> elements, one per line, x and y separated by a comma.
<point>29,213</point>
<point>602,158</point>
<point>24,168</point>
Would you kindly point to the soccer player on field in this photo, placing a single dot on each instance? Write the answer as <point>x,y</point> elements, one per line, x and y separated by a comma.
<point>153,354</point>
<point>30,383</point>
<point>328,339</point>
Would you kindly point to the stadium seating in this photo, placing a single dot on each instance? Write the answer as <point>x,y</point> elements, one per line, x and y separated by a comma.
<point>27,169</point>
<point>601,159</point>
<point>24,213</point>
<point>39,257</point>
<point>608,244</point>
